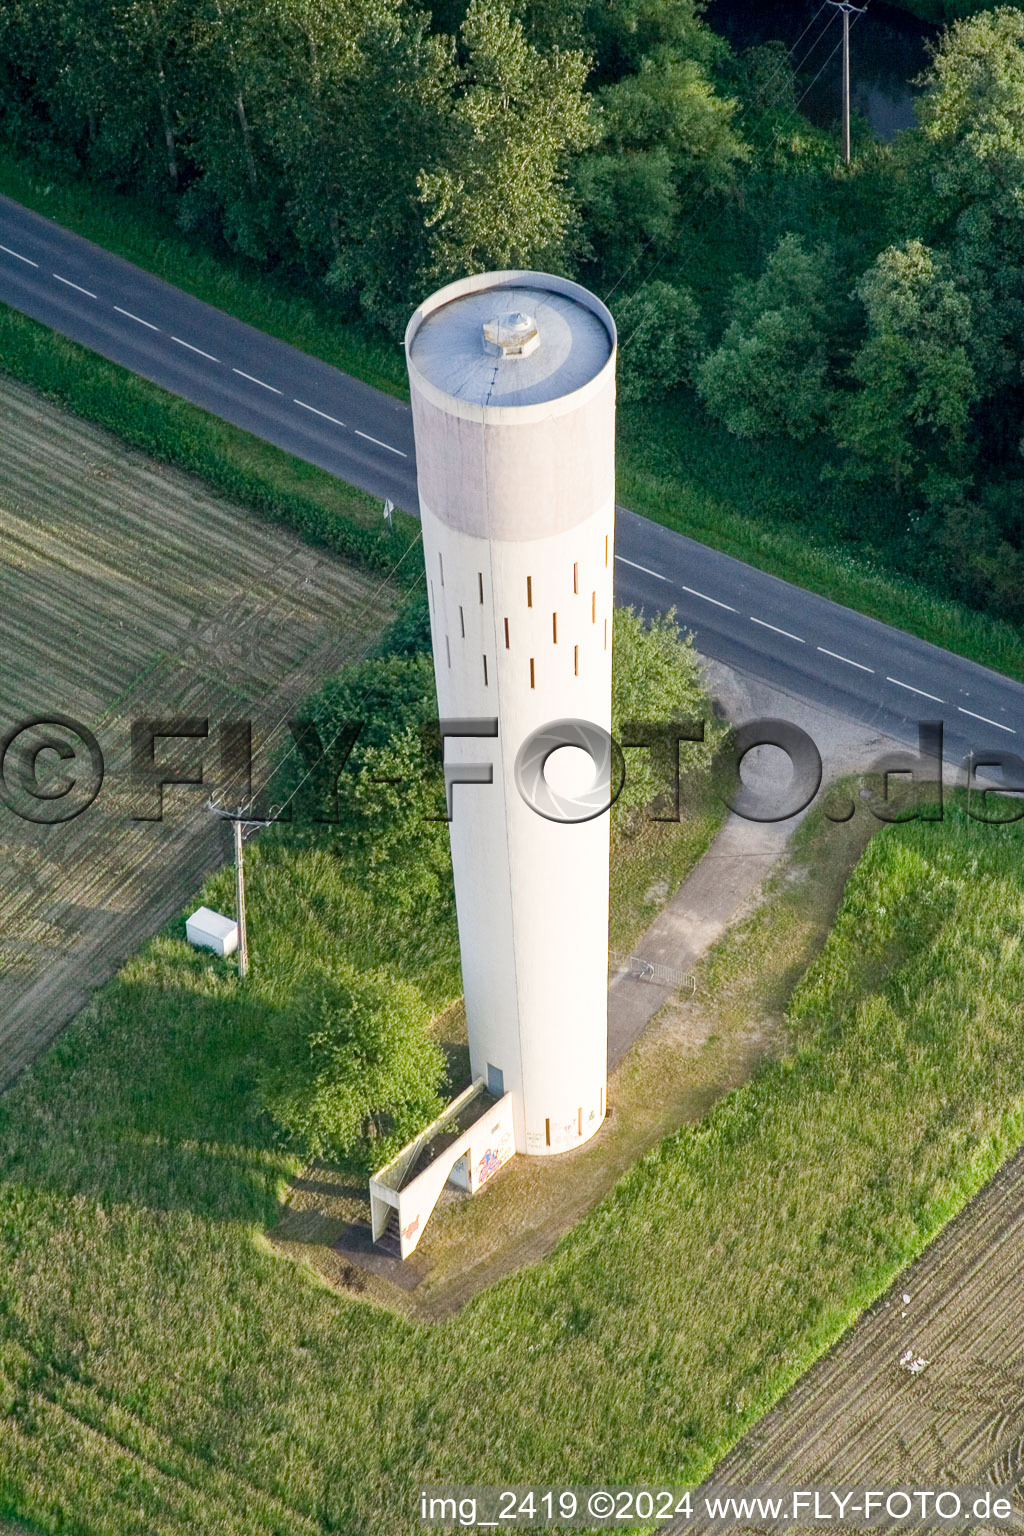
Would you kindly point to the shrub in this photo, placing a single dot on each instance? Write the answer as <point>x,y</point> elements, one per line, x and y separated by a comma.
<point>353,1072</point>
<point>660,337</point>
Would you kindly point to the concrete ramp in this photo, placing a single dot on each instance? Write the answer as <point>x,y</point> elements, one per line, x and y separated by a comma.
<point>464,1146</point>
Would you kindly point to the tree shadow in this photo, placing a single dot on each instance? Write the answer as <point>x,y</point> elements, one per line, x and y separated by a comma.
<point>149,1100</point>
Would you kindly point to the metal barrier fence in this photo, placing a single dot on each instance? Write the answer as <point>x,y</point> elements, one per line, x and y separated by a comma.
<point>651,970</point>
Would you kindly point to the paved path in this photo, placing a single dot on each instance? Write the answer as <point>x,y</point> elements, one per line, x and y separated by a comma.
<point>731,873</point>
<point>727,877</point>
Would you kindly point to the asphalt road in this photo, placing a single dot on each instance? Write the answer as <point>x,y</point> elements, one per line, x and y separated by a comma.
<point>802,644</point>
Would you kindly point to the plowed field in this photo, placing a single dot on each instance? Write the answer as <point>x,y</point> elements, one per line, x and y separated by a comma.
<point>127,590</point>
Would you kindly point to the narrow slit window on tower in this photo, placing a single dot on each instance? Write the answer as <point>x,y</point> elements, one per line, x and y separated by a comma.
<point>547,1133</point>
<point>529,591</point>
<point>533,676</point>
<point>431,597</point>
<point>485,671</point>
<point>554,628</point>
<point>606,550</point>
<point>593,606</point>
<point>576,660</point>
<point>480,581</point>
<point>576,576</point>
<point>448,649</point>
<point>602,1103</point>
<point>506,634</point>
<point>462,621</point>
<point>440,566</point>
<point>579,1121</point>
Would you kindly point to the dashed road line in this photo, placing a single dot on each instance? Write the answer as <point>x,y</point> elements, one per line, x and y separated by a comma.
<point>252,380</point>
<point>27,260</point>
<point>986,721</point>
<point>849,661</point>
<point>69,284</point>
<point>694,593</point>
<point>911,689</point>
<point>765,625</point>
<point>633,565</point>
<point>137,318</point>
<point>208,355</point>
<point>377,440</point>
<point>316,412</point>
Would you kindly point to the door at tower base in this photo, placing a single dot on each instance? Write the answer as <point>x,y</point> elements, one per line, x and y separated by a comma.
<point>512,379</point>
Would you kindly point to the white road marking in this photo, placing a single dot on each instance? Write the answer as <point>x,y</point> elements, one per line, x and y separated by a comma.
<point>20,257</point>
<point>69,284</point>
<point>252,380</point>
<point>633,566</point>
<point>324,414</point>
<point>986,720</point>
<point>836,657</point>
<point>911,689</point>
<point>765,625</point>
<point>208,355</point>
<point>377,440</point>
<point>694,593</point>
<point>137,318</point>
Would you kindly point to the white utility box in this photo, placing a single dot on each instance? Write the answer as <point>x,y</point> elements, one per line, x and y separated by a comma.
<point>209,930</point>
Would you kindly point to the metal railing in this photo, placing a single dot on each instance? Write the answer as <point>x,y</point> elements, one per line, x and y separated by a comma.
<point>653,971</point>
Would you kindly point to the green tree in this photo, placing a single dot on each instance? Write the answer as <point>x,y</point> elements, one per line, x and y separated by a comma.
<point>771,374</point>
<point>495,194</point>
<point>971,160</point>
<point>622,34</point>
<point>661,335</point>
<point>666,130</point>
<point>656,677</point>
<point>390,792</point>
<point>909,416</point>
<point>352,1071</point>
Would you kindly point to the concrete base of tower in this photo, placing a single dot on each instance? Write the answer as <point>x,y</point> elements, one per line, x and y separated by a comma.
<point>563,1127</point>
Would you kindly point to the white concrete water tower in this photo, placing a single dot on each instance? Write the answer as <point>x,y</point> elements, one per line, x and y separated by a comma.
<point>513,397</point>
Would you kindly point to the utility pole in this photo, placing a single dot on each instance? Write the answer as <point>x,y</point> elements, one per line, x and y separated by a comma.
<point>847,10</point>
<point>239,820</point>
<point>243,932</point>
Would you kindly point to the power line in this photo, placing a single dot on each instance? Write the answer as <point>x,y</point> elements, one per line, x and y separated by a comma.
<point>795,109</point>
<point>737,122</point>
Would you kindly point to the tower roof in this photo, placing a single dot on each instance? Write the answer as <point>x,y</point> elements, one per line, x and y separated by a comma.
<point>510,339</point>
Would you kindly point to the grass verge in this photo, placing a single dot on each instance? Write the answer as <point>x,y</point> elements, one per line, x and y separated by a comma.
<point>161,1370</point>
<point>683,498</point>
<point>676,476</point>
<point>651,859</point>
<point>151,239</point>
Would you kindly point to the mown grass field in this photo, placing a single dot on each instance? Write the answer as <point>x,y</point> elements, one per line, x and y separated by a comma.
<point>162,1371</point>
<point>685,473</point>
<point>129,590</point>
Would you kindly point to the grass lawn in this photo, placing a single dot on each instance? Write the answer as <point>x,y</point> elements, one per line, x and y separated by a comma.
<point>162,1371</point>
<point>674,466</point>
